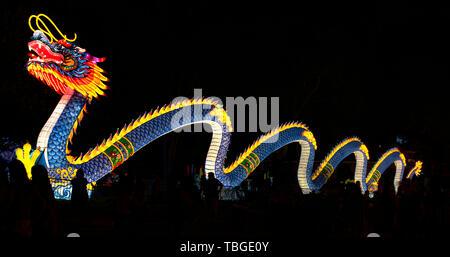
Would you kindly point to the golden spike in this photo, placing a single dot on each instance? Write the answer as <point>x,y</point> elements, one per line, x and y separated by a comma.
<point>103,143</point>
<point>130,127</point>
<point>122,132</point>
<point>108,141</point>
<point>141,118</point>
<point>177,105</point>
<point>115,137</point>
<point>70,138</point>
<point>133,124</point>
<point>80,117</point>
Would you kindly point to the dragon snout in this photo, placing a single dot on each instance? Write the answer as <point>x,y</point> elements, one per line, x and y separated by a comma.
<point>41,52</point>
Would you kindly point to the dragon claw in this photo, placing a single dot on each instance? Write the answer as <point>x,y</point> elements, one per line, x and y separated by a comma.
<point>28,160</point>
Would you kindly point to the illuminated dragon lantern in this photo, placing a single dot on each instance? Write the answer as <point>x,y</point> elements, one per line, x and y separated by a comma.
<point>73,73</point>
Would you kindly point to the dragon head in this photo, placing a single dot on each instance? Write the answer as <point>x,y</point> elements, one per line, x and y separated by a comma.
<point>62,65</point>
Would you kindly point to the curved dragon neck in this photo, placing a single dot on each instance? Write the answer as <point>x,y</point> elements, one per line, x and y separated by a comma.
<point>57,131</point>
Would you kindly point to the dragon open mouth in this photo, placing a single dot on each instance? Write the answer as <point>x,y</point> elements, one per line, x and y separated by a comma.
<point>40,52</point>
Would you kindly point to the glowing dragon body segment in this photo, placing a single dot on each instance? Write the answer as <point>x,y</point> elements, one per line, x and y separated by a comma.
<point>272,144</point>
<point>55,152</point>
<point>115,156</point>
<point>261,149</point>
<point>44,135</point>
<point>168,122</point>
<point>305,166</point>
<point>123,149</point>
<point>392,156</point>
<point>116,153</point>
<point>97,167</point>
<point>333,159</point>
<point>129,149</point>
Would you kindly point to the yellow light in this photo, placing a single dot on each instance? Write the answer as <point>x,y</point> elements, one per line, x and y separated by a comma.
<point>223,117</point>
<point>328,158</point>
<point>23,155</point>
<point>309,135</point>
<point>90,186</point>
<point>259,141</point>
<point>418,167</point>
<point>46,30</point>
<point>143,119</point>
<point>373,187</point>
<point>402,156</point>
<point>91,86</point>
<point>381,160</point>
<point>67,174</point>
<point>365,150</point>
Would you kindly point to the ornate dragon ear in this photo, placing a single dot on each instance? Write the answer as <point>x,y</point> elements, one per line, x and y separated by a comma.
<point>46,30</point>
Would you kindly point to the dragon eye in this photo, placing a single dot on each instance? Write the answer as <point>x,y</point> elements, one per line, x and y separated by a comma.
<point>69,63</point>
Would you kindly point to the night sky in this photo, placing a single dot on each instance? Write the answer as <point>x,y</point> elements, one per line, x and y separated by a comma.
<point>375,71</point>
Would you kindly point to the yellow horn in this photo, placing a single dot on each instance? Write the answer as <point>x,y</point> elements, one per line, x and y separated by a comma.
<point>46,30</point>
